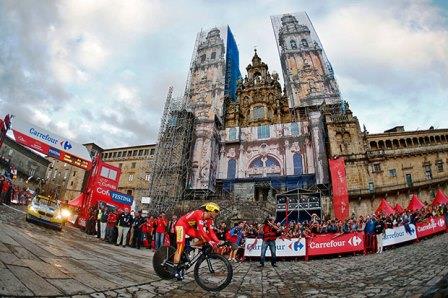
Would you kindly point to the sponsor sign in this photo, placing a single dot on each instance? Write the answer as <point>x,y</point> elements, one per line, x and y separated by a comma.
<point>284,247</point>
<point>121,197</point>
<point>431,226</point>
<point>50,144</point>
<point>340,190</point>
<point>399,234</point>
<point>327,244</point>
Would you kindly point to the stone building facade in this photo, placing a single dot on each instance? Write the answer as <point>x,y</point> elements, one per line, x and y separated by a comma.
<point>31,167</point>
<point>135,163</point>
<point>63,180</point>
<point>394,164</point>
<point>262,141</point>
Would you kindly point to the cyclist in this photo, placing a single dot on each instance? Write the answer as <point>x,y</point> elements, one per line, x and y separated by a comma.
<point>196,224</point>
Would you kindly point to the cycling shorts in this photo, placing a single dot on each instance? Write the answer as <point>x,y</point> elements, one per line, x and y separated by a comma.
<point>182,231</point>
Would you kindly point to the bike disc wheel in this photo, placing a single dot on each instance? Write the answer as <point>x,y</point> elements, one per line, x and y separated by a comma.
<point>160,256</point>
<point>213,272</point>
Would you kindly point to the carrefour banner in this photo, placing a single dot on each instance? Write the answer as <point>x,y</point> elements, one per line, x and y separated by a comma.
<point>430,226</point>
<point>339,188</point>
<point>399,234</point>
<point>50,144</point>
<point>327,244</point>
<point>293,247</point>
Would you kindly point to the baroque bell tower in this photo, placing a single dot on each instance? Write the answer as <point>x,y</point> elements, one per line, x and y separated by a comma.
<point>309,79</point>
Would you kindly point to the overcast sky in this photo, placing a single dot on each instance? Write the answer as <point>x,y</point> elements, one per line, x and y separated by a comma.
<point>98,71</point>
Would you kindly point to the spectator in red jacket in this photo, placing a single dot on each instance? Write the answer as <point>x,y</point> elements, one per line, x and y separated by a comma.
<point>270,231</point>
<point>111,226</point>
<point>150,228</point>
<point>161,224</point>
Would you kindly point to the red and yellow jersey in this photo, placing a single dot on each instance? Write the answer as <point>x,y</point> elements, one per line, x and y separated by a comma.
<point>195,219</point>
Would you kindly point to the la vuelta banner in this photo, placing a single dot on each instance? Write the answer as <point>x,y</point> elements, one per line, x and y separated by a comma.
<point>430,226</point>
<point>339,188</point>
<point>328,244</point>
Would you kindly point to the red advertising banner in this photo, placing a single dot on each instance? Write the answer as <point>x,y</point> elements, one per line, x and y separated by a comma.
<point>51,144</point>
<point>327,244</point>
<point>339,188</point>
<point>430,226</point>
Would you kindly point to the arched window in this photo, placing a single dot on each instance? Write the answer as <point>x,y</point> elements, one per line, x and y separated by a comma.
<point>293,44</point>
<point>297,161</point>
<point>304,43</point>
<point>258,113</point>
<point>256,163</point>
<point>213,56</point>
<point>231,169</point>
<point>272,162</point>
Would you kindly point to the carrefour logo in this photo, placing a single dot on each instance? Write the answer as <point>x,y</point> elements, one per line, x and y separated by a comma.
<point>45,137</point>
<point>441,222</point>
<point>66,145</point>
<point>355,241</point>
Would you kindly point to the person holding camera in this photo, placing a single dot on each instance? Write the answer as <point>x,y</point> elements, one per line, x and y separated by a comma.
<point>270,233</point>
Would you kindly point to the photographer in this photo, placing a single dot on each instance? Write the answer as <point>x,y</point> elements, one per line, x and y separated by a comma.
<point>270,233</point>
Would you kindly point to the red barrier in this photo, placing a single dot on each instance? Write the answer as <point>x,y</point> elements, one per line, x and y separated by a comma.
<point>431,226</point>
<point>328,244</point>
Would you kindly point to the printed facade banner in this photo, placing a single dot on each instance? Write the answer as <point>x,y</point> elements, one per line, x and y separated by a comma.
<point>430,226</point>
<point>284,247</point>
<point>339,187</point>
<point>328,244</point>
<point>399,234</point>
<point>50,144</point>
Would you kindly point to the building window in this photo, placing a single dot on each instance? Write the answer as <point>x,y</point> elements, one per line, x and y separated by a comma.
<point>129,192</point>
<point>263,132</point>
<point>146,152</point>
<point>74,173</point>
<point>131,177</point>
<point>133,165</point>
<point>203,58</point>
<point>134,153</point>
<point>293,44</point>
<point>371,187</point>
<point>304,43</point>
<point>376,168</point>
<point>115,154</point>
<point>148,177</point>
<point>409,180</point>
<point>152,151</point>
<point>428,172</point>
<point>71,183</point>
<point>231,169</point>
<point>232,133</point>
<point>297,161</point>
<point>119,154</point>
<point>140,152</point>
<point>213,56</point>
<point>392,173</point>
<point>108,173</point>
<point>439,166</point>
<point>258,113</point>
<point>129,153</point>
<point>295,129</point>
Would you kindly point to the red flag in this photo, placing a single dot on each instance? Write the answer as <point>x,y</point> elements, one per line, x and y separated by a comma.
<point>339,187</point>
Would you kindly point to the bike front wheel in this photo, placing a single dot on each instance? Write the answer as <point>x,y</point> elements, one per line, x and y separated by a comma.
<point>162,257</point>
<point>213,272</point>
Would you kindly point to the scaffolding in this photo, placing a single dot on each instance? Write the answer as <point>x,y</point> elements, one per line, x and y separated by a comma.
<point>173,154</point>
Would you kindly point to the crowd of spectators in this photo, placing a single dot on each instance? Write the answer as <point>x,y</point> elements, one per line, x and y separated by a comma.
<point>129,228</point>
<point>373,225</point>
<point>10,193</point>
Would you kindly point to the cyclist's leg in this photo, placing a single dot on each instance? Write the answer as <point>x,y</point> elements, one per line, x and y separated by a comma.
<point>180,240</point>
